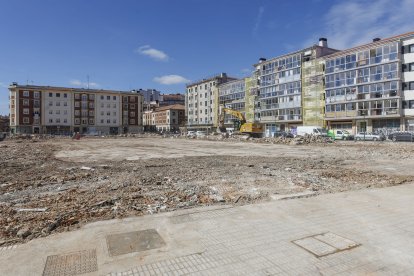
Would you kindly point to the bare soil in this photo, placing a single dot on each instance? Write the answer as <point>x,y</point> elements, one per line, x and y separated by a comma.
<point>56,185</point>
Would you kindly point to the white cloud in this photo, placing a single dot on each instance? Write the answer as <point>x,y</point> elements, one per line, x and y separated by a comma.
<point>354,22</point>
<point>258,20</point>
<point>153,53</point>
<point>171,79</point>
<point>83,84</point>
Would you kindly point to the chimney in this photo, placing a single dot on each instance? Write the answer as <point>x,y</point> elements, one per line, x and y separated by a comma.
<point>262,60</point>
<point>323,42</point>
<point>376,39</point>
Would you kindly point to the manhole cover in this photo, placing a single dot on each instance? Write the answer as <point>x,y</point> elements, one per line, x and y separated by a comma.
<point>325,244</point>
<point>119,244</point>
<point>71,264</point>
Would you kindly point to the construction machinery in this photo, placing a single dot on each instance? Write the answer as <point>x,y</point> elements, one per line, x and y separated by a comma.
<point>240,124</point>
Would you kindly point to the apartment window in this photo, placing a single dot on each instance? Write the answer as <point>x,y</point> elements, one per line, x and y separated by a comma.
<point>77,121</point>
<point>25,102</point>
<point>50,103</point>
<point>57,120</point>
<point>114,98</point>
<point>65,121</point>
<point>65,95</point>
<point>91,113</point>
<point>57,103</point>
<point>132,99</point>
<point>84,121</point>
<point>77,112</point>
<point>50,120</point>
<point>205,103</point>
<point>58,95</point>
<point>102,105</point>
<point>132,114</point>
<point>114,121</point>
<point>84,113</point>
<point>77,104</point>
<point>108,97</point>
<point>65,103</point>
<point>108,113</point>
<point>77,96</point>
<point>408,85</point>
<point>36,95</point>
<point>58,112</point>
<point>411,48</point>
<point>91,105</point>
<point>114,113</point>
<point>91,97</point>
<point>50,111</point>
<point>25,111</point>
<point>65,112</point>
<point>91,121</point>
<point>50,95</point>
<point>102,121</point>
<point>132,106</point>
<point>132,121</point>
<point>114,105</point>
<point>25,93</point>
<point>84,97</point>
<point>108,121</point>
<point>84,105</point>
<point>108,105</point>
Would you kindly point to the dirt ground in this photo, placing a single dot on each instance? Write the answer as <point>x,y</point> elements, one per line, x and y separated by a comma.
<point>55,185</point>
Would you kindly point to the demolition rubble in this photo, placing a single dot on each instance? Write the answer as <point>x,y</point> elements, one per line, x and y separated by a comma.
<point>51,185</point>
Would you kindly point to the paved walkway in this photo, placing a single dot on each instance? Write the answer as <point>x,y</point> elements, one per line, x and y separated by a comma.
<point>362,232</point>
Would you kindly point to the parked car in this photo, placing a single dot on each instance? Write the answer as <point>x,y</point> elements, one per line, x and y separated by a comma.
<point>367,136</point>
<point>311,130</point>
<point>201,133</point>
<point>283,134</point>
<point>401,136</point>
<point>339,134</point>
<point>191,133</point>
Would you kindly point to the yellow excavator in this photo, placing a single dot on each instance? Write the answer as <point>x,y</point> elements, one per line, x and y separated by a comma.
<point>240,124</point>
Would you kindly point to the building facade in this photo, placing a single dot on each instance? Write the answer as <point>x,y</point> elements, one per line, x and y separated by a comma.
<point>202,102</point>
<point>370,87</point>
<point>165,119</point>
<point>61,110</point>
<point>232,95</point>
<point>281,87</point>
<point>171,99</point>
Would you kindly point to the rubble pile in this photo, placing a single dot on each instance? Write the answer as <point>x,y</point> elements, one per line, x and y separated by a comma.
<point>40,194</point>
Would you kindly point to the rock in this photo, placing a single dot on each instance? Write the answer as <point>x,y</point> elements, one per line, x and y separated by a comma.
<point>24,232</point>
<point>288,169</point>
<point>86,168</point>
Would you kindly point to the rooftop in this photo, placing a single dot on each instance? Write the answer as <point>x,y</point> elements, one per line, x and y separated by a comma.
<point>169,107</point>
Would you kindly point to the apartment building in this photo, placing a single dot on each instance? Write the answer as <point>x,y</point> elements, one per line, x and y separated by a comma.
<point>62,110</point>
<point>281,87</point>
<point>202,102</point>
<point>165,119</point>
<point>370,87</point>
<point>171,99</point>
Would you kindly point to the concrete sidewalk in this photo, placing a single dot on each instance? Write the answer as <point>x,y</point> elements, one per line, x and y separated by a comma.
<point>361,232</point>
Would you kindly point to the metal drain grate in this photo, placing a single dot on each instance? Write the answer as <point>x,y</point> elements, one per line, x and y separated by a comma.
<point>325,244</point>
<point>119,244</point>
<point>71,264</point>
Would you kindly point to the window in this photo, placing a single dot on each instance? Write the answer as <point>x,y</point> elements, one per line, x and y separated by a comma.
<point>51,120</point>
<point>77,121</point>
<point>91,97</point>
<point>65,121</point>
<point>102,97</point>
<point>108,105</point>
<point>25,102</point>
<point>91,113</point>
<point>114,98</point>
<point>132,114</point>
<point>65,95</point>
<point>108,121</point>
<point>57,111</point>
<point>77,97</point>
<point>84,113</point>
<point>108,113</point>
<point>50,103</point>
<point>91,121</point>
<point>57,120</point>
<point>65,103</point>
<point>50,95</point>
<point>132,106</point>
<point>25,93</point>
<point>114,121</point>
<point>84,97</point>
<point>58,95</point>
<point>57,103</point>
<point>77,104</point>
<point>102,121</point>
<point>84,121</point>
<point>65,112</point>
<point>84,105</point>
<point>411,48</point>
<point>37,95</point>
<point>108,97</point>
<point>50,111</point>
<point>25,111</point>
<point>77,112</point>
<point>132,121</point>
<point>91,105</point>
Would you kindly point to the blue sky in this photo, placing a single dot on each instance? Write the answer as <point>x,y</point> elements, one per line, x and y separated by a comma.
<point>164,43</point>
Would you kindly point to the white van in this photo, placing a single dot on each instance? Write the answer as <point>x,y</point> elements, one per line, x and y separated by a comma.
<point>311,130</point>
